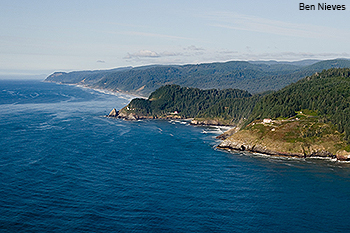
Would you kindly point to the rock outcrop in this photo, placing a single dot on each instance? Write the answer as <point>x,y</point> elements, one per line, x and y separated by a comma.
<point>205,122</point>
<point>228,133</point>
<point>113,113</point>
<point>263,149</point>
<point>343,155</point>
<point>305,138</point>
<point>126,116</point>
<point>257,148</point>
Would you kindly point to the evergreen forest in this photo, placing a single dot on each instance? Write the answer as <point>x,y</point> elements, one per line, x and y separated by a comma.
<point>326,94</point>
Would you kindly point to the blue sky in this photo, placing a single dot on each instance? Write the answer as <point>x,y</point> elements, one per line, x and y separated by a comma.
<point>40,37</point>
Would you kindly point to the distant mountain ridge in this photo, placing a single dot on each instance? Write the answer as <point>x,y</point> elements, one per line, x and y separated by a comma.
<point>254,77</point>
<point>307,62</point>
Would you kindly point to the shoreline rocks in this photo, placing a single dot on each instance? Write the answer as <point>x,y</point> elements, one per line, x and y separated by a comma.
<point>242,146</point>
<point>306,138</point>
<point>113,113</point>
<point>121,114</point>
<point>249,145</point>
<point>206,122</point>
<point>257,148</point>
<point>343,155</point>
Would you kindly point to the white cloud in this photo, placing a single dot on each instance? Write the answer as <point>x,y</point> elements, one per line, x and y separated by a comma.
<point>142,53</point>
<point>194,48</point>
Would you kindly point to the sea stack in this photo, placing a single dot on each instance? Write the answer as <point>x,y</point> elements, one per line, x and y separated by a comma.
<point>113,113</point>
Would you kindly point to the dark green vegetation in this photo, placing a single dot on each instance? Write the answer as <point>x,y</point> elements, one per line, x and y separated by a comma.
<point>230,111</point>
<point>255,77</point>
<point>326,93</point>
<point>300,136</point>
<point>186,102</point>
<point>82,77</point>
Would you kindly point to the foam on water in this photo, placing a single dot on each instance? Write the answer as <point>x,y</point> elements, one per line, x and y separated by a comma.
<point>65,168</point>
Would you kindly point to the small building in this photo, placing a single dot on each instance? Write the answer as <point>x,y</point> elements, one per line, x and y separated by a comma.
<point>267,121</point>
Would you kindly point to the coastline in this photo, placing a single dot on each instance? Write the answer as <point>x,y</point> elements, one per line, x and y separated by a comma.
<point>122,114</point>
<point>277,156</point>
<point>247,141</point>
<point>227,143</point>
<point>139,117</point>
<point>105,91</point>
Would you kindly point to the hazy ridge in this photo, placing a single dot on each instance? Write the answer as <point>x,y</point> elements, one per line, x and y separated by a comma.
<point>254,77</point>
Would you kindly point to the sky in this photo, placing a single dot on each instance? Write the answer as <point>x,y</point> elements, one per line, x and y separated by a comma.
<point>39,37</point>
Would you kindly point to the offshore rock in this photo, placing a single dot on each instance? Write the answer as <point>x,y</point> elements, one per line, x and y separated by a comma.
<point>113,113</point>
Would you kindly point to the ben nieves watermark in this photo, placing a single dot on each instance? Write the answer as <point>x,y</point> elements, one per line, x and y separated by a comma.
<point>322,7</point>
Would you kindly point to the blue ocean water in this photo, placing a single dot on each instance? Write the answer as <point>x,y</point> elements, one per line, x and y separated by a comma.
<point>66,168</point>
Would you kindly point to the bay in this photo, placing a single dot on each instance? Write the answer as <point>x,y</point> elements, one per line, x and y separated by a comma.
<point>65,167</point>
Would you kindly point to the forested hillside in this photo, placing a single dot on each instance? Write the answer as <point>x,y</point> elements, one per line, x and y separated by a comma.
<point>82,77</point>
<point>182,102</point>
<point>252,77</point>
<point>231,111</point>
<point>327,93</point>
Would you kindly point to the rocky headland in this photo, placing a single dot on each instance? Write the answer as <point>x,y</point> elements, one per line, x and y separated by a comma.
<point>300,138</point>
<point>127,115</point>
<point>310,118</point>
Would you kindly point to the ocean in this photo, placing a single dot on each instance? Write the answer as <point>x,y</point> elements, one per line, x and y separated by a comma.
<point>64,167</point>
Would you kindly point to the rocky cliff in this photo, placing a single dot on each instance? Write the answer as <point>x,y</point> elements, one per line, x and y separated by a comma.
<point>124,114</point>
<point>301,138</point>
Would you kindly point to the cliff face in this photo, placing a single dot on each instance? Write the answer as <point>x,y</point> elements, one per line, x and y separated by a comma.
<point>129,114</point>
<point>302,138</point>
<point>124,114</point>
<point>209,121</point>
<point>113,113</point>
<point>252,144</point>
